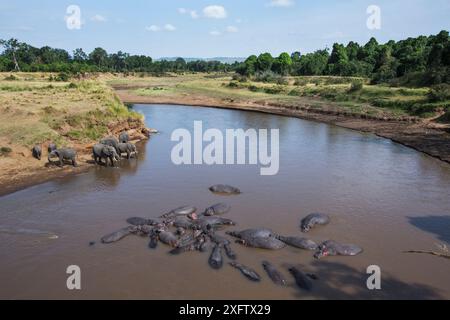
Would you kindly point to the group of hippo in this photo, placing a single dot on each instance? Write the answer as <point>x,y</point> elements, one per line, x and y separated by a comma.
<point>185,230</point>
<point>109,148</point>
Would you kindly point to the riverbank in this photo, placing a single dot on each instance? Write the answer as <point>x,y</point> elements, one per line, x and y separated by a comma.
<point>74,113</point>
<point>422,134</point>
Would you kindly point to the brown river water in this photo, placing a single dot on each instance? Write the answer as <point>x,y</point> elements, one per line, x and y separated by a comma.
<point>380,195</point>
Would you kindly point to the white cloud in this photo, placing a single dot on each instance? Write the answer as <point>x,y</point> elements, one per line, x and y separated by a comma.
<point>192,13</point>
<point>153,28</point>
<point>232,29</point>
<point>215,33</point>
<point>216,12</point>
<point>98,18</point>
<point>281,3</point>
<point>169,27</point>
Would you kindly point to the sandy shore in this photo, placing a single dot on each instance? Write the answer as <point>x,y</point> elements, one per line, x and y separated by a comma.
<point>424,136</point>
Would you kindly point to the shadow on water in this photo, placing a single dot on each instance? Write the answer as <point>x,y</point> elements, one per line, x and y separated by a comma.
<point>437,225</point>
<point>342,282</point>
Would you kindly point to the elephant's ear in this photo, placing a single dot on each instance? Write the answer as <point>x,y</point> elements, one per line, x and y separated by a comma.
<point>107,151</point>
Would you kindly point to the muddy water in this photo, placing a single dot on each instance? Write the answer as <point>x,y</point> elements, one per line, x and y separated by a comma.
<point>382,196</point>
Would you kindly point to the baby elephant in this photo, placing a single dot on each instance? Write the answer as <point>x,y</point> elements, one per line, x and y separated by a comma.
<point>51,147</point>
<point>101,151</point>
<point>111,141</point>
<point>124,137</point>
<point>64,154</point>
<point>37,152</point>
<point>127,148</point>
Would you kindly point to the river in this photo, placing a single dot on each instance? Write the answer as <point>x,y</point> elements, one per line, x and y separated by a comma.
<point>380,195</point>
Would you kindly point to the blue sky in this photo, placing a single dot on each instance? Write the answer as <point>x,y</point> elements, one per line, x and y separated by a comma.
<point>189,28</point>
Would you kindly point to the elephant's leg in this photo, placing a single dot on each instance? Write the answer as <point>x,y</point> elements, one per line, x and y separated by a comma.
<point>128,155</point>
<point>61,161</point>
<point>74,162</point>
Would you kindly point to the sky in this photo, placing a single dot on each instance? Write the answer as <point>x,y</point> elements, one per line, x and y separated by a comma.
<point>215,28</point>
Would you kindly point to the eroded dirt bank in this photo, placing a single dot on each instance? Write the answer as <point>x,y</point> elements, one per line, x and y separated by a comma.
<point>424,136</point>
<point>20,170</point>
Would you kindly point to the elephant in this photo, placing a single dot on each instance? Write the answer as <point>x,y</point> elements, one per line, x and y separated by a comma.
<point>37,152</point>
<point>101,151</point>
<point>124,137</point>
<point>111,141</point>
<point>127,148</point>
<point>64,154</point>
<point>51,147</point>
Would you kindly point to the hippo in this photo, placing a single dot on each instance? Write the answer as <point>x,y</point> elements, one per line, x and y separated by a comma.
<point>124,137</point>
<point>206,222</point>
<point>64,154</point>
<point>274,274</point>
<point>182,211</point>
<point>127,148</point>
<point>118,235</point>
<point>333,248</point>
<point>301,243</point>
<point>111,141</point>
<point>224,189</point>
<point>217,209</point>
<point>314,219</point>
<point>260,232</point>
<point>136,221</point>
<point>183,222</point>
<point>246,271</point>
<point>303,280</point>
<point>153,239</point>
<point>258,238</point>
<point>51,147</point>
<point>37,152</point>
<point>168,238</point>
<point>206,246</point>
<point>215,260</point>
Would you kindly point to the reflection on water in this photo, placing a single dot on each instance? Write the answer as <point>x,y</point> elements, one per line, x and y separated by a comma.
<point>380,195</point>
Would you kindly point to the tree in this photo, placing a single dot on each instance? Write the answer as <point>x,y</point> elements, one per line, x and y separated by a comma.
<point>282,64</point>
<point>11,47</point>
<point>99,57</point>
<point>338,63</point>
<point>264,62</point>
<point>79,55</point>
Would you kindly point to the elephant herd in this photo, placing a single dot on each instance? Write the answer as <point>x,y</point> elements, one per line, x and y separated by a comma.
<point>109,148</point>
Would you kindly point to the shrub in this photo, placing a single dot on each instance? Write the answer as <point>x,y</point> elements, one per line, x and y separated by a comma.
<point>5,151</point>
<point>11,78</point>
<point>439,93</point>
<point>62,77</point>
<point>356,86</point>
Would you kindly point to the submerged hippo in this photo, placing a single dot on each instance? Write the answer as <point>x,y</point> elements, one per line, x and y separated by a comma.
<point>258,238</point>
<point>224,189</point>
<point>168,238</point>
<point>301,243</point>
<point>182,211</point>
<point>246,271</point>
<point>214,221</point>
<point>333,248</point>
<point>153,239</point>
<point>314,219</point>
<point>217,209</point>
<point>274,274</point>
<point>137,221</point>
<point>118,235</point>
<point>183,222</point>
<point>302,279</point>
<point>216,260</point>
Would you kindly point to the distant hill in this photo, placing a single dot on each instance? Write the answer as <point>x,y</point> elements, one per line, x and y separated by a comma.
<point>229,60</point>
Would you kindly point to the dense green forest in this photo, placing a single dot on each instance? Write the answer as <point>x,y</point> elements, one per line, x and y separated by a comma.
<point>417,61</point>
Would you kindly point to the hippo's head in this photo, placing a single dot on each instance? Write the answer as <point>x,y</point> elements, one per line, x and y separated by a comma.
<point>305,227</point>
<point>324,251</point>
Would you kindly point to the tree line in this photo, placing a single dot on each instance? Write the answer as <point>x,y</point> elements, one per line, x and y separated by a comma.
<point>416,61</point>
<point>19,56</point>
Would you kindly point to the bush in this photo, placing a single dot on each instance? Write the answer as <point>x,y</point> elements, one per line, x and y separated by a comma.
<point>4,151</point>
<point>439,93</point>
<point>268,76</point>
<point>11,78</point>
<point>356,86</point>
<point>62,77</point>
